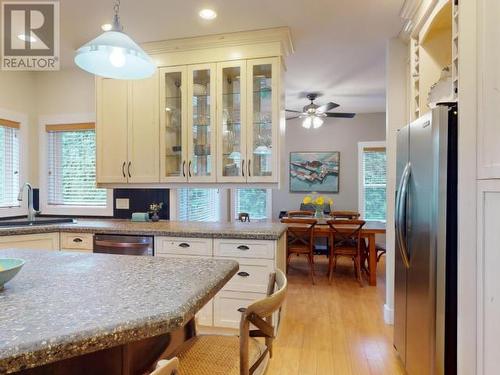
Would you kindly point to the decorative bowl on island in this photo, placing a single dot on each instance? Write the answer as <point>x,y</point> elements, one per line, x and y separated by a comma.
<point>9,267</point>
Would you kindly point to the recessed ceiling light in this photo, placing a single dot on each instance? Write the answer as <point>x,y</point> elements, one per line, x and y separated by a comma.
<point>106,27</point>
<point>27,38</point>
<point>207,14</point>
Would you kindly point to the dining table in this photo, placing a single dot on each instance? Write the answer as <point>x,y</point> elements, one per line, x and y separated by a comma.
<point>368,232</point>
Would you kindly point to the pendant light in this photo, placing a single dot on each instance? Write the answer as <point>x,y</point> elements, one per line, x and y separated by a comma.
<point>113,54</point>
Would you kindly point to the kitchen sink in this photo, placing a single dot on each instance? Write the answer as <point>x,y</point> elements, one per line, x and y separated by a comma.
<point>23,222</point>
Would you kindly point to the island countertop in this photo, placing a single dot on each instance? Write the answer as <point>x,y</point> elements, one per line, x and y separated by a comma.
<point>248,231</point>
<point>62,305</point>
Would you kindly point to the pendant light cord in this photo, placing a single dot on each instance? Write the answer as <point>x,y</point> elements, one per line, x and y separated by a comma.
<point>116,18</point>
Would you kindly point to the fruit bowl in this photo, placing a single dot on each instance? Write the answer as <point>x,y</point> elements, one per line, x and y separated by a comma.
<point>9,267</point>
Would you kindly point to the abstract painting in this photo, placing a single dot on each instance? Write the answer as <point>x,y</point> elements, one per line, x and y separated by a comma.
<point>314,171</point>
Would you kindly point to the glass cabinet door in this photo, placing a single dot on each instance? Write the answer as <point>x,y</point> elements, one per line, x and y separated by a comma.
<point>231,93</point>
<point>263,124</point>
<point>173,141</point>
<point>201,120</point>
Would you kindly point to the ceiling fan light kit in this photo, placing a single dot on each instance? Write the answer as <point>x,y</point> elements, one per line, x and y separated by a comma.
<point>313,115</point>
<point>113,54</point>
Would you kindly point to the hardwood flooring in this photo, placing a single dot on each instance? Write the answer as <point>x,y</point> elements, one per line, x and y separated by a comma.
<point>333,329</point>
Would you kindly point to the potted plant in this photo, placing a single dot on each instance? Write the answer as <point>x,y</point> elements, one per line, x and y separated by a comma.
<point>154,209</point>
<point>318,202</point>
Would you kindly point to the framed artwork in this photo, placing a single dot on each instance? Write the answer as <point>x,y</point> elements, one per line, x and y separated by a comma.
<point>314,171</point>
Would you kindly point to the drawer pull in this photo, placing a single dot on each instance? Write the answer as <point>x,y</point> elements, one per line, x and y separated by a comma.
<point>242,309</point>
<point>243,274</point>
<point>77,239</point>
<point>243,247</point>
<point>184,245</point>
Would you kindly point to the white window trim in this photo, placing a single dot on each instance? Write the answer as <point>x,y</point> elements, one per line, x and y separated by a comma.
<point>22,118</point>
<point>45,208</point>
<point>269,206</point>
<point>223,207</point>
<point>361,190</point>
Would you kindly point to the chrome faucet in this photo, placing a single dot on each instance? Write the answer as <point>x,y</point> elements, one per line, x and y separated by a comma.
<point>31,211</point>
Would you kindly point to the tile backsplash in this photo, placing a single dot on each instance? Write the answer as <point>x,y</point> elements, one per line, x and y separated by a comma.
<point>139,201</point>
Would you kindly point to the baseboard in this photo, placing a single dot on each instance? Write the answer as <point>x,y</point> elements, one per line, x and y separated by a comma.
<point>388,315</point>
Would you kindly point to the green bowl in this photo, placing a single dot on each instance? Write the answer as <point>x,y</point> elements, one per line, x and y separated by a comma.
<point>9,267</point>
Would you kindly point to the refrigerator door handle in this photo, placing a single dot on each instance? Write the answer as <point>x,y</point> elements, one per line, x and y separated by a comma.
<point>401,214</point>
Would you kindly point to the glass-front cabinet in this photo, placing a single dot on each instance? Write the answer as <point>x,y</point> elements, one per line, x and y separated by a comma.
<point>231,95</point>
<point>263,120</point>
<point>201,123</point>
<point>173,123</point>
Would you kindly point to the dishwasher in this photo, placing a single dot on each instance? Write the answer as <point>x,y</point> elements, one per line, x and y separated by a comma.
<point>123,245</point>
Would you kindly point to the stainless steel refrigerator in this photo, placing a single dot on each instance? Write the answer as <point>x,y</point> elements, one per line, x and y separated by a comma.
<point>425,312</point>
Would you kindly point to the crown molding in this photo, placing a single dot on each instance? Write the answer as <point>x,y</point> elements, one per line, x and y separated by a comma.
<point>279,35</point>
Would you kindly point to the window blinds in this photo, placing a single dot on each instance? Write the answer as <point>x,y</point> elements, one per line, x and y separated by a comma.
<point>9,163</point>
<point>374,183</point>
<point>198,204</point>
<point>253,202</point>
<point>72,166</point>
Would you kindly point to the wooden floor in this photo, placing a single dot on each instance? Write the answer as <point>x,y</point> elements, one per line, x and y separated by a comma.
<point>333,329</point>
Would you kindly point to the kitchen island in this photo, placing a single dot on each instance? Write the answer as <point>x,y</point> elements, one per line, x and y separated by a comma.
<point>96,313</point>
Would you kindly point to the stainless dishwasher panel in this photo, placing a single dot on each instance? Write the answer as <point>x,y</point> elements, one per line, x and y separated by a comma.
<point>123,245</point>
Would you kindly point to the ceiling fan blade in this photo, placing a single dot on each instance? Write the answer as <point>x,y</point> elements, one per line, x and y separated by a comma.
<point>327,107</point>
<point>340,115</point>
<point>291,118</point>
<point>291,110</point>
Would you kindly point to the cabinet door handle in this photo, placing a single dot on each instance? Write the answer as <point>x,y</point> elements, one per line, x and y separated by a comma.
<point>123,169</point>
<point>243,247</point>
<point>243,274</point>
<point>77,239</point>
<point>128,169</point>
<point>189,168</point>
<point>184,245</point>
<point>249,170</point>
<point>242,309</point>
<point>243,167</point>
<point>183,168</point>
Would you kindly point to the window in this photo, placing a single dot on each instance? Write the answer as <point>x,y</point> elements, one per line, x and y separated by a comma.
<point>198,204</point>
<point>255,202</point>
<point>72,166</point>
<point>373,180</point>
<point>9,163</point>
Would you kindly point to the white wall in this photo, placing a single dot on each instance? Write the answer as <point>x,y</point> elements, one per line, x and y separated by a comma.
<point>335,135</point>
<point>397,116</point>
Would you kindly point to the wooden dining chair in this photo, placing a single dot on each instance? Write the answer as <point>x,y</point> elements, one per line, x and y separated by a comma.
<point>347,242</point>
<point>235,355</point>
<point>349,215</point>
<point>300,240</point>
<point>300,213</point>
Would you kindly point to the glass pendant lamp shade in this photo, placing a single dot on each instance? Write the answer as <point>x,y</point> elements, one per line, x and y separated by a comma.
<point>113,54</point>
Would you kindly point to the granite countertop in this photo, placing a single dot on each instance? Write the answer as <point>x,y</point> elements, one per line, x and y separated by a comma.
<point>255,231</point>
<point>62,304</point>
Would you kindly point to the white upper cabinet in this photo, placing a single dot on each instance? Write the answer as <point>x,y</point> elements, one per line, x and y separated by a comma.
<point>231,121</point>
<point>127,131</point>
<point>488,89</point>
<point>212,115</point>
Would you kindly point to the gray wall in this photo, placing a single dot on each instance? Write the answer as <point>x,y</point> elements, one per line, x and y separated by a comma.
<point>335,135</point>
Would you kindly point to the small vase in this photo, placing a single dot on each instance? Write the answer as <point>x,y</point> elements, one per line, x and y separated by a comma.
<point>155,217</point>
<point>318,213</point>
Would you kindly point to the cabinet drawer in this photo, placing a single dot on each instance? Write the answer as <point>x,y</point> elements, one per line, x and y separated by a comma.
<point>244,249</point>
<point>226,305</point>
<point>183,246</point>
<point>77,241</point>
<point>252,276</point>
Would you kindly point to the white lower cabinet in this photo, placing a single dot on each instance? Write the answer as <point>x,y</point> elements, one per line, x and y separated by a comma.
<point>228,306</point>
<point>256,258</point>
<point>38,241</point>
<point>78,242</point>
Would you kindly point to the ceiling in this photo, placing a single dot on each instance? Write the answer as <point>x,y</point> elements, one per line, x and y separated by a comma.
<point>339,44</point>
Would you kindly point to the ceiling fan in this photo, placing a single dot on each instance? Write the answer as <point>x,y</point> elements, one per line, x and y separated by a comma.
<point>314,114</point>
